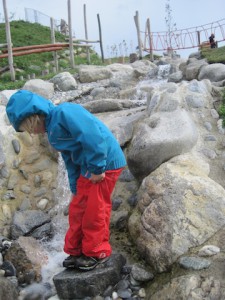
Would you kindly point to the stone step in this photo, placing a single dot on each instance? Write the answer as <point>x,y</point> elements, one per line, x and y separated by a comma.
<point>76,284</point>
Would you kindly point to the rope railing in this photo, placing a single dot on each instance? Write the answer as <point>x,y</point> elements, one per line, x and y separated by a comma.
<point>184,38</point>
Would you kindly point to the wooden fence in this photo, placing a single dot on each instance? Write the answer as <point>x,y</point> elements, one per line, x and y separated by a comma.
<point>10,52</point>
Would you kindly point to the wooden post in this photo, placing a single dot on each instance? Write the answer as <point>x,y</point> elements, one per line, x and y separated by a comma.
<point>199,39</point>
<point>136,20</point>
<point>55,57</point>
<point>150,40</point>
<point>100,38</point>
<point>86,34</point>
<point>9,42</point>
<point>70,36</point>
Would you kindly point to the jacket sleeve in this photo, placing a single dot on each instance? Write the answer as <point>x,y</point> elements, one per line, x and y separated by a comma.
<point>88,132</point>
<point>73,171</point>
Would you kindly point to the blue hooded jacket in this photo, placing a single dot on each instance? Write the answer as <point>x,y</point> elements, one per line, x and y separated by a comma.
<point>86,144</point>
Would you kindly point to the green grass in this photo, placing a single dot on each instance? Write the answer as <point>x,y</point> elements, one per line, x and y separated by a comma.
<point>222,108</point>
<point>26,34</point>
<point>216,55</point>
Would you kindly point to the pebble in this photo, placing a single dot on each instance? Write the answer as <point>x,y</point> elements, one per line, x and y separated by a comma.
<point>195,263</point>
<point>209,250</point>
<point>142,293</point>
<point>16,146</point>
<point>141,274</point>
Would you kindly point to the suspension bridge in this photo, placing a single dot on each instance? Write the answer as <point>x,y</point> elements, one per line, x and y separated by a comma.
<point>182,39</point>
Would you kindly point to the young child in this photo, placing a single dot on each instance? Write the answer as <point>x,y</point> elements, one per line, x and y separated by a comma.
<point>94,161</point>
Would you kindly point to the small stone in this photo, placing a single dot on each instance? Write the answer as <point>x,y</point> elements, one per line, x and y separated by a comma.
<point>114,295</point>
<point>124,293</point>
<point>9,268</point>
<point>195,263</point>
<point>116,203</point>
<point>140,274</point>
<point>142,293</point>
<point>16,146</point>
<point>208,250</point>
<point>42,204</point>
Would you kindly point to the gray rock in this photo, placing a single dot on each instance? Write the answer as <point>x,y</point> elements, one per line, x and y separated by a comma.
<point>8,290</point>
<point>16,146</point>
<point>64,81</point>
<point>213,72</point>
<point>194,263</point>
<point>40,87</point>
<point>25,222</point>
<point>74,284</point>
<point>159,138</point>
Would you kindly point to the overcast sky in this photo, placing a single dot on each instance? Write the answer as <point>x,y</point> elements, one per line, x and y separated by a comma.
<point>117,17</point>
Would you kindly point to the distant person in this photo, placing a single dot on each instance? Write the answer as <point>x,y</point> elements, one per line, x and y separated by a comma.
<point>213,43</point>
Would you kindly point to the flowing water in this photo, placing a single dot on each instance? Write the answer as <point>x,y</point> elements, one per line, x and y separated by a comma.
<point>161,77</point>
<point>54,247</point>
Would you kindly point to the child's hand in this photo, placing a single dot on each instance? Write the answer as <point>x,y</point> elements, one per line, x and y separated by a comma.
<point>97,178</point>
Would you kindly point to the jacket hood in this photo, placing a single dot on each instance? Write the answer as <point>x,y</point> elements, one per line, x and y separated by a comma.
<point>23,104</point>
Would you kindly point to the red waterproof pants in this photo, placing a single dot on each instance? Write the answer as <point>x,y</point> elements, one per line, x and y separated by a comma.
<point>89,217</point>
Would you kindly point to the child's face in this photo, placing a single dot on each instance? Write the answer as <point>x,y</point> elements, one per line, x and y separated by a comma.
<point>39,128</point>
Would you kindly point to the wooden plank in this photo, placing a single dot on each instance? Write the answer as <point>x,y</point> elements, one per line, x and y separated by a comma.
<point>82,40</point>
<point>37,47</point>
<point>66,45</point>
<point>33,51</point>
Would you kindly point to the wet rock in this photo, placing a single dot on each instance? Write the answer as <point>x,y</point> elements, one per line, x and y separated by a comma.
<point>74,284</point>
<point>8,290</point>
<point>36,292</point>
<point>9,268</point>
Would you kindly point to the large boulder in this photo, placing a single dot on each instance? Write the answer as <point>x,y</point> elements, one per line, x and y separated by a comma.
<point>193,68</point>
<point>122,123</point>
<point>179,207</point>
<point>94,73</point>
<point>98,106</point>
<point>40,87</point>
<point>213,72</point>
<point>158,138</point>
<point>64,81</point>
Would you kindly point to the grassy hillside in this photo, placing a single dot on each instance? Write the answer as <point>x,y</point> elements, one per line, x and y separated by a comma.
<point>26,34</point>
<point>216,55</point>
